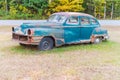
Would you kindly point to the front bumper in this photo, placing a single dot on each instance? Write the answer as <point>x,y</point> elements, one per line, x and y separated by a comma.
<point>26,39</point>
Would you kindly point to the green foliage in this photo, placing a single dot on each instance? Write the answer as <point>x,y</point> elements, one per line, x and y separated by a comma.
<point>40,9</point>
<point>66,6</point>
<point>23,9</point>
<point>95,7</point>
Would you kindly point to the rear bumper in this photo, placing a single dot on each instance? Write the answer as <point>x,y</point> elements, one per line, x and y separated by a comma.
<point>26,39</point>
<point>106,37</point>
<point>103,37</point>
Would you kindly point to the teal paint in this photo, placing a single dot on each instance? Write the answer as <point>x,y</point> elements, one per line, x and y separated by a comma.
<point>64,33</point>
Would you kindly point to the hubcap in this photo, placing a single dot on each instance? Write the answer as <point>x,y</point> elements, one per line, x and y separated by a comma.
<point>97,40</point>
<point>46,45</point>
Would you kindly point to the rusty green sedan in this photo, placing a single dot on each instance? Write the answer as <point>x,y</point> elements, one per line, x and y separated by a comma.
<point>60,29</point>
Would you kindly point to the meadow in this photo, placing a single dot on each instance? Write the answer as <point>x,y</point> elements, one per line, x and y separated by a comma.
<point>69,62</point>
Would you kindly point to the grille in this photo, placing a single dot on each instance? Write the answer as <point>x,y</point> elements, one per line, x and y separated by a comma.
<point>20,37</point>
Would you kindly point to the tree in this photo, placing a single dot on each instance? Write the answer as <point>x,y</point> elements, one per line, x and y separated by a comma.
<point>37,8</point>
<point>88,6</point>
<point>4,5</point>
<point>66,6</point>
<point>95,7</point>
<point>117,9</point>
<point>28,8</point>
<point>113,7</point>
<point>6,2</point>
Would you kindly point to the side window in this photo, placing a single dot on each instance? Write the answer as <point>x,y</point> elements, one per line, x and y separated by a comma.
<point>85,21</point>
<point>93,21</point>
<point>73,20</point>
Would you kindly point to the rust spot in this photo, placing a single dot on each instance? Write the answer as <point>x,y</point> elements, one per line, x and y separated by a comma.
<point>30,39</point>
<point>92,38</point>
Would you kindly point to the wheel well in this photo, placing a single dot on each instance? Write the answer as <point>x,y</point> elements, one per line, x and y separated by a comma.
<point>101,37</point>
<point>51,38</point>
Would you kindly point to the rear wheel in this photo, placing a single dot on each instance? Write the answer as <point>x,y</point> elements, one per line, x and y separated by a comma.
<point>97,40</point>
<point>46,44</point>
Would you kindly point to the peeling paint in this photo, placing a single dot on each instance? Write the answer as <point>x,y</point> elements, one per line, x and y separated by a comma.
<point>63,33</point>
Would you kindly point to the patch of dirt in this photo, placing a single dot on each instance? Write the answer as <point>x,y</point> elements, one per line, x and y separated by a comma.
<point>70,66</point>
<point>76,65</point>
<point>114,32</point>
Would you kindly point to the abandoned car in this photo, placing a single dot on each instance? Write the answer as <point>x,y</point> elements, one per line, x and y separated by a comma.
<point>60,29</point>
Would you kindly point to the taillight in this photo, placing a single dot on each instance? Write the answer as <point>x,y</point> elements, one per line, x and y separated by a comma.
<point>30,32</point>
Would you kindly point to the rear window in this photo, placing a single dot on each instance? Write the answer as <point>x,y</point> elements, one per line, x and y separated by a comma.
<point>85,21</point>
<point>93,21</point>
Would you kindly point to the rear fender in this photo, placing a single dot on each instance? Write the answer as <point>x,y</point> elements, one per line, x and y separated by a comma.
<point>98,32</point>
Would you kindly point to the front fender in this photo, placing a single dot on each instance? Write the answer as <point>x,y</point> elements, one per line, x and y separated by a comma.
<point>56,33</point>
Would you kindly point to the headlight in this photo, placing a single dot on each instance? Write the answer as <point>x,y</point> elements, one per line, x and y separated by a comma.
<point>16,29</point>
<point>30,32</point>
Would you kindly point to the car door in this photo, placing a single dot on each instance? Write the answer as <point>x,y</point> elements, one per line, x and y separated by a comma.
<point>86,28</point>
<point>72,30</point>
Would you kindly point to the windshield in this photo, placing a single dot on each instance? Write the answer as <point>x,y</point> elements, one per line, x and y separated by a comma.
<point>57,18</point>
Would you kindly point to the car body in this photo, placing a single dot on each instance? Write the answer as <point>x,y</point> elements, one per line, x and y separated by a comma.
<point>61,28</point>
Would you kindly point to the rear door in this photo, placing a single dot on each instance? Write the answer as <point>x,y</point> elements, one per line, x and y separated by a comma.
<point>86,27</point>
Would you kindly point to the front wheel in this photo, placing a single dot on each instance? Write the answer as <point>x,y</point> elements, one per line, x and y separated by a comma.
<point>46,44</point>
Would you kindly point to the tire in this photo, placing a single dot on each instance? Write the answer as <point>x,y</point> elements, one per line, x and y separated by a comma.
<point>22,44</point>
<point>105,40</point>
<point>46,44</point>
<point>97,40</point>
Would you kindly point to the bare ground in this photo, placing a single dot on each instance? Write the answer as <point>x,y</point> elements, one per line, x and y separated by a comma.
<point>71,65</point>
<point>114,32</point>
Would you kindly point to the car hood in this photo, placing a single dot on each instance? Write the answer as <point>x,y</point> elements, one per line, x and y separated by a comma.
<point>43,27</point>
<point>40,25</point>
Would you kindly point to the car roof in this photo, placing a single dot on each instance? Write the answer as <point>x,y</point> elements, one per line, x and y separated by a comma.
<point>74,14</point>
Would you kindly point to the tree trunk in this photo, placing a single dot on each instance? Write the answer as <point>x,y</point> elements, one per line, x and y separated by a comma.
<point>50,1</point>
<point>6,2</point>
<point>105,11</point>
<point>112,10</point>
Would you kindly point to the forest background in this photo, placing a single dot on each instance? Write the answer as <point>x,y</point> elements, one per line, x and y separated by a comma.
<point>41,9</point>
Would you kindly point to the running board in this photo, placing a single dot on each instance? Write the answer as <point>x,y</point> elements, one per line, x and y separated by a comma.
<point>81,41</point>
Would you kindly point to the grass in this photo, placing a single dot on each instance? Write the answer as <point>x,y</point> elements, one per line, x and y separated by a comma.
<point>70,62</point>
<point>15,48</point>
<point>89,47</point>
